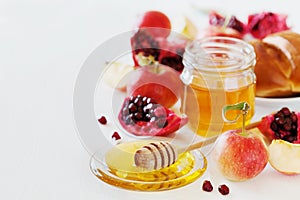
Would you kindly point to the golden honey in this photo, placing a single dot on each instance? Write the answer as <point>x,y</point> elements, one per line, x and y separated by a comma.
<point>123,173</point>
<point>207,120</point>
<point>218,71</point>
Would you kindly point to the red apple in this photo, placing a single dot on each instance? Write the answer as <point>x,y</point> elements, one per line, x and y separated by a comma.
<point>159,82</point>
<point>156,19</point>
<point>240,157</point>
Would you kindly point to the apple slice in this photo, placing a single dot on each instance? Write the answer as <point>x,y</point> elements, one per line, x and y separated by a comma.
<point>189,29</point>
<point>285,156</point>
<point>115,73</point>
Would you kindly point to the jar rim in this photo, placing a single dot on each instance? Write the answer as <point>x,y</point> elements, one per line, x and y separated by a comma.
<point>198,54</point>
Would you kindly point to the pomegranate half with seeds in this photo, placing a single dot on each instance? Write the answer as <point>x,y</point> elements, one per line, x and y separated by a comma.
<point>142,116</point>
<point>284,125</point>
<point>155,42</point>
<point>147,49</point>
<point>282,129</point>
<point>259,25</point>
<point>263,24</point>
<point>225,26</point>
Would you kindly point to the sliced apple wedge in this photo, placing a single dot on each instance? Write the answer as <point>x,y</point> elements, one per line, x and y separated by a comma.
<point>115,75</point>
<point>189,30</point>
<point>285,157</point>
<point>184,25</point>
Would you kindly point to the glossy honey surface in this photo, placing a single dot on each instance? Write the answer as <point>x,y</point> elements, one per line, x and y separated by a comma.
<point>118,169</point>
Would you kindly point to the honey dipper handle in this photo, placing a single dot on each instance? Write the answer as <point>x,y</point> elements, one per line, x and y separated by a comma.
<point>213,139</point>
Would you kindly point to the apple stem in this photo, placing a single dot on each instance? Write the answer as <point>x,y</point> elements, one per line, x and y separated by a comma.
<point>243,107</point>
<point>156,65</point>
<point>244,113</point>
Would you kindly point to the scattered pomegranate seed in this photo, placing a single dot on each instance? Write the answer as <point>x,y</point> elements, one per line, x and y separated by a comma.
<point>116,136</point>
<point>207,186</point>
<point>223,189</point>
<point>102,120</point>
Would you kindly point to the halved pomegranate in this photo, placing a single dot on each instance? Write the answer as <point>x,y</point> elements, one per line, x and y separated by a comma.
<point>284,125</point>
<point>217,20</point>
<point>142,116</point>
<point>147,49</point>
<point>262,24</point>
<point>282,129</point>
<point>143,44</point>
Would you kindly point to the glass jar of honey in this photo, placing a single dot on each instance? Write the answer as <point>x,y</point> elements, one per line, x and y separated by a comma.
<point>217,71</point>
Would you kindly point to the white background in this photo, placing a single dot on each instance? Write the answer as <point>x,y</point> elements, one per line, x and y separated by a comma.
<point>42,47</point>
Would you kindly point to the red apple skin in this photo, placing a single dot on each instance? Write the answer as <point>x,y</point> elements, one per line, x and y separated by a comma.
<point>155,19</point>
<point>161,83</point>
<point>240,158</point>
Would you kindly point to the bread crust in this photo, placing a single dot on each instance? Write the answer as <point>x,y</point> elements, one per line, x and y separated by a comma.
<point>294,49</point>
<point>277,66</point>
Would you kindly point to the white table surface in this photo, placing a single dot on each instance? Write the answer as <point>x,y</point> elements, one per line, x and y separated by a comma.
<point>42,46</point>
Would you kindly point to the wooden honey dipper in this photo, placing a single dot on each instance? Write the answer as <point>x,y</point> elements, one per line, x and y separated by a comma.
<point>160,154</point>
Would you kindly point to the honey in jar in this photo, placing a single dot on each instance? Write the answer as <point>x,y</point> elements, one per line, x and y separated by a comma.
<point>218,71</point>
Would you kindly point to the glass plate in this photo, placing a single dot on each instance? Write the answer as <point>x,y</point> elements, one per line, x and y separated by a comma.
<point>188,168</point>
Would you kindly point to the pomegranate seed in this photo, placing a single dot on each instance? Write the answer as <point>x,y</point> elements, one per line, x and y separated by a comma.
<point>285,111</point>
<point>285,125</point>
<point>207,186</point>
<point>223,189</point>
<point>102,120</point>
<point>116,136</point>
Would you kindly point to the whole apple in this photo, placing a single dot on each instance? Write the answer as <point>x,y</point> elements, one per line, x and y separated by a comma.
<point>240,157</point>
<point>159,82</point>
<point>158,21</point>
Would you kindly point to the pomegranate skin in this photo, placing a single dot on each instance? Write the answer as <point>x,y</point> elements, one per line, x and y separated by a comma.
<point>171,122</point>
<point>216,19</point>
<point>167,51</point>
<point>265,126</point>
<point>263,24</point>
